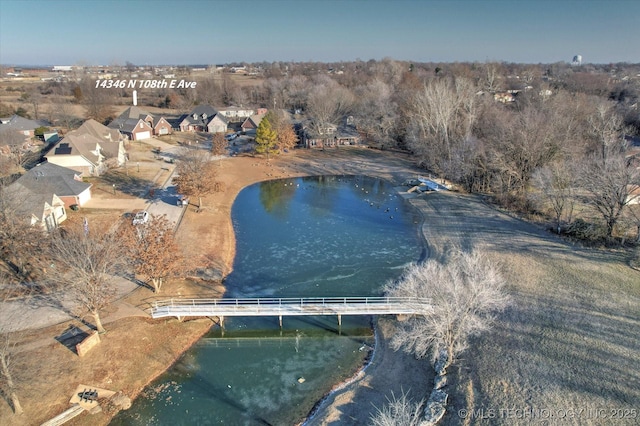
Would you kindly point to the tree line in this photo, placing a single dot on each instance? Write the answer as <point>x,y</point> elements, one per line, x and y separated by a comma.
<point>557,145</point>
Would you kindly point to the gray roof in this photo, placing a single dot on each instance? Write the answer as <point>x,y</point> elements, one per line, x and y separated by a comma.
<point>100,131</point>
<point>126,125</point>
<point>39,185</point>
<point>49,178</point>
<point>204,114</point>
<point>19,124</point>
<point>129,119</point>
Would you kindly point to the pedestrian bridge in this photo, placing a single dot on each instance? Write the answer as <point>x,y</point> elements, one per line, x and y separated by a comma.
<point>292,306</point>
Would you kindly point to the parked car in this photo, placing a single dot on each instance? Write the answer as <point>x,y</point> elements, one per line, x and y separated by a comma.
<point>141,218</point>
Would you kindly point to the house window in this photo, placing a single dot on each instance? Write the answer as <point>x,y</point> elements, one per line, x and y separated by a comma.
<point>141,125</point>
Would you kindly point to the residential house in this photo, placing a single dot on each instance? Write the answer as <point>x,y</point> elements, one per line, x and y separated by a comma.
<point>21,125</point>
<point>34,197</point>
<point>138,124</point>
<point>112,141</point>
<point>80,152</point>
<point>203,118</point>
<point>65,183</point>
<point>504,97</point>
<point>250,124</point>
<point>329,135</point>
<point>17,135</point>
<point>234,113</point>
<point>90,149</point>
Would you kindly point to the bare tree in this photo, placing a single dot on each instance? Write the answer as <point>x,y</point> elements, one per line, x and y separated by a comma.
<point>8,383</point>
<point>20,243</point>
<point>328,104</point>
<point>85,264</point>
<point>15,145</point>
<point>209,91</point>
<point>153,250</point>
<point>441,116</point>
<point>633,211</point>
<point>400,411</point>
<point>465,293</point>
<point>611,182</point>
<point>492,76</point>
<point>555,184</point>
<point>196,174</point>
<point>376,112</point>
<point>63,113</point>
<point>606,126</point>
<point>97,101</point>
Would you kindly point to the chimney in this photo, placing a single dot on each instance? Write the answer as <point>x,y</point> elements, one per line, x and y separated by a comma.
<point>135,98</point>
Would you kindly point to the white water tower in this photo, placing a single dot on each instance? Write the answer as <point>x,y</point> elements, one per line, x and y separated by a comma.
<point>577,60</point>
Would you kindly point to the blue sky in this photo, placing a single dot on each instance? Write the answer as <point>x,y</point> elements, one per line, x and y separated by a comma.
<point>105,32</point>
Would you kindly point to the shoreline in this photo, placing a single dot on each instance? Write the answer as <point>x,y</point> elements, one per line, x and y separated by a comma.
<point>310,163</point>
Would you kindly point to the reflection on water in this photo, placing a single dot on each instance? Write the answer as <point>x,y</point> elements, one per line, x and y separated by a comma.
<point>318,236</point>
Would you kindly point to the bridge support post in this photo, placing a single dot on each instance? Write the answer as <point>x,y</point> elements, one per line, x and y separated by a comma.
<point>280,321</point>
<point>339,320</point>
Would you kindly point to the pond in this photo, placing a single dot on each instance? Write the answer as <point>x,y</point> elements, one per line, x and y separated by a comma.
<point>302,237</point>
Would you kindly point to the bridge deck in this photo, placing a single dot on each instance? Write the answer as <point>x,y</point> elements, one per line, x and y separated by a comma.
<point>289,306</point>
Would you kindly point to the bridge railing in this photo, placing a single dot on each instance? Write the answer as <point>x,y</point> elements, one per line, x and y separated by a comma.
<point>290,301</point>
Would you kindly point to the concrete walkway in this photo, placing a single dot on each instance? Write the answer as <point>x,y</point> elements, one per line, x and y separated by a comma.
<point>41,311</point>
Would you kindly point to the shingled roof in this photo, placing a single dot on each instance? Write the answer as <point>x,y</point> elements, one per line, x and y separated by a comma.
<point>48,178</point>
<point>100,131</point>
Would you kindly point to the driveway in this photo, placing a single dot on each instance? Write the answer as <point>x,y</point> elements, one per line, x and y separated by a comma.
<point>166,201</point>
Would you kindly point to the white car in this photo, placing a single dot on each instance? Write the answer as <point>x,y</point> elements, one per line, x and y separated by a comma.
<point>141,218</point>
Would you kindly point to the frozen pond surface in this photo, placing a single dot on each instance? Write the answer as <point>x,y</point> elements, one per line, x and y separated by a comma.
<point>316,236</point>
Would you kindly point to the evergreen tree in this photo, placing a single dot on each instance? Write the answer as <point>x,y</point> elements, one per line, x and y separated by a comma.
<point>266,138</point>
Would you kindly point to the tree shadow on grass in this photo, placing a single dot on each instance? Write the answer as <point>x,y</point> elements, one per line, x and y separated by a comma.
<point>127,184</point>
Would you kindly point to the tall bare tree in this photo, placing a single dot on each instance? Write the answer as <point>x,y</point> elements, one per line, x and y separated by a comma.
<point>21,247</point>
<point>97,101</point>
<point>606,126</point>
<point>8,382</point>
<point>376,112</point>
<point>85,264</point>
<point>556,188</point>
<point>611,183</point>
<point>465,293</point>
<point>196,174</point>
<point>441,115</point>
<point>153,250</point>
<point>328,104</point>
